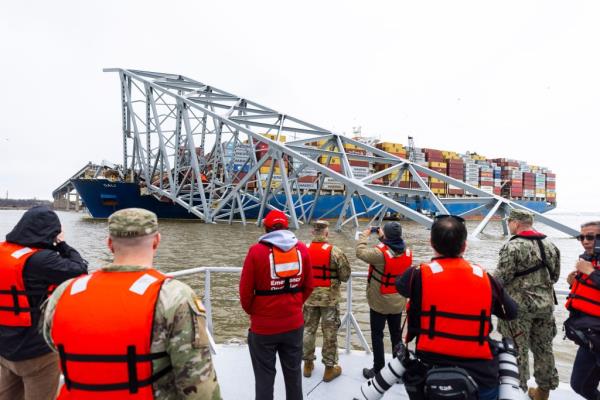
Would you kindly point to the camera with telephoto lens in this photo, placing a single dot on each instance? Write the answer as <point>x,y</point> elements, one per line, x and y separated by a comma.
<point>424,382</point>
<point>596,255</point>
<point>375,388</point>
<point>374,229</point>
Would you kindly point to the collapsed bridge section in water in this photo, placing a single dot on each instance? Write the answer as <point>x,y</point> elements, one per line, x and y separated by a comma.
<point>225,158</point>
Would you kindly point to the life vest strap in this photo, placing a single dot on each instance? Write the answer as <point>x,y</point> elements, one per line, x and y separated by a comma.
<point>277,291</point>
<point>14,293</point>
<point>452,336</point>
<point>332,274</point>
<point>584,282</point>
<point>583,298</point>
<point>131,358</point>
<point>433,314</point>
<point>388,279</point>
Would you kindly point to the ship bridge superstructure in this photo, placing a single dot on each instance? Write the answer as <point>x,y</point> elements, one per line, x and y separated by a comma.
<point>224,157</point>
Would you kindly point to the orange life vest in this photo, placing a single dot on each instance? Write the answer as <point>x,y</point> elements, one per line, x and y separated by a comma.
<point>320,257</point>
<point>102,329</point>
<point>286,272</point>
<point>394,266</point>
<point>15,309</point>
<point>584,296</point>
<point>455,315</point>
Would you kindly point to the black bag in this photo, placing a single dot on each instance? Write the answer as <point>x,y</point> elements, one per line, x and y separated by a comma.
<point>582,336</point>
<point>450,383</point>
<point>414,379</point>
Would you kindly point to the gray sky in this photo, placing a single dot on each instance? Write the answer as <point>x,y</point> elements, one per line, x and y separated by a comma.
<point>516,79</point>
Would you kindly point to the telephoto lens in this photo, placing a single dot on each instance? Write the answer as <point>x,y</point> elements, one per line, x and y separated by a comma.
<point>509,372</point>
<point>375,388</point>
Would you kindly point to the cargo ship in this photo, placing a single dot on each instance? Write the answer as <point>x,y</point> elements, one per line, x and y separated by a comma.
<point>531,186</point>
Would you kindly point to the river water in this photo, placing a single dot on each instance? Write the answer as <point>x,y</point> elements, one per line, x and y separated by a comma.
<point>194,244</point>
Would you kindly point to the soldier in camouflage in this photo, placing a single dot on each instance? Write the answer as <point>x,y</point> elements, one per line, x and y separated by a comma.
<point>323,305</point>
<point>178,327</point>
<point>528,266</point>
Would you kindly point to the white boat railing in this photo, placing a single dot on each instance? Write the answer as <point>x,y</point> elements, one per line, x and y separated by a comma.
<point>347,323</point>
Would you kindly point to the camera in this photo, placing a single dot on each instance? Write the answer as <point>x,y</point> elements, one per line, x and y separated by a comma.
<point>374,229</point>
<point>596,255</point>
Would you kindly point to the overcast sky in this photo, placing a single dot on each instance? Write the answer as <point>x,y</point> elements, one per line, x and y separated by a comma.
<point>516,79</point>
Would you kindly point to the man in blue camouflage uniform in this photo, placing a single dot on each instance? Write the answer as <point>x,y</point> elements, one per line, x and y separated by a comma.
<point>528,267</point>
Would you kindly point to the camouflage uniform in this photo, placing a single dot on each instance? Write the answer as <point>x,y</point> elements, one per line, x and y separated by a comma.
<point>535,327</point>
<point>323,305</point>
<point>178,329</point>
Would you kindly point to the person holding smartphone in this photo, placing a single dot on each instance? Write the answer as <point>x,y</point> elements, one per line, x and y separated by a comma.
<point>387,260</point>
<point>583,303</point>
<point>33,260</point>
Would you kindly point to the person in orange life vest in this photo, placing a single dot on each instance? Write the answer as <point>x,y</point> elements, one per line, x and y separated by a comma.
<point>583,304</point>
<point>276,280</point>
<point>451,285</point>
<point>33,259</point>
<point>388,259</point>
<point>127,330</point>
<point>330,267</point>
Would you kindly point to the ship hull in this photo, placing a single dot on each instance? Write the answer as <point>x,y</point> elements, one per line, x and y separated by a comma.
<point>102,197</point>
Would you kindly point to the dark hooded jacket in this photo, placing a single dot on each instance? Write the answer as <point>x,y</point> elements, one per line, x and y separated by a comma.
<point>53,265</point>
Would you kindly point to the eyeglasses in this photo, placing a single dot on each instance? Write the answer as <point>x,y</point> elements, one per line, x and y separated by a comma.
<point>589,238</point>
<point>442,216</point>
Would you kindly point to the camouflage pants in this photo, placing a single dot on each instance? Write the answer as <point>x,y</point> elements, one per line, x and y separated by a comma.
<point>534,332</point>
<point>330,323</point>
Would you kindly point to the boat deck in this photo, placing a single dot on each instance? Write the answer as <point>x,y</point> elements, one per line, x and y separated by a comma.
<point>236,378</point>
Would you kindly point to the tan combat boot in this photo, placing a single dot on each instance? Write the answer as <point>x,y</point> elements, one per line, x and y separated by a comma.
<point>331,373</point>
<point>309,365</point>
<point>538,393</point>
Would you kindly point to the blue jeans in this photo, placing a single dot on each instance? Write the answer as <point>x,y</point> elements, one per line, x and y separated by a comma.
<point>487,393</point>
<point>586,374</point>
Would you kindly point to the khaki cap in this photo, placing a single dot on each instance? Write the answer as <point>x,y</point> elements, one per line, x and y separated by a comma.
<point>321,224</point>
<point>521,215</point>
<point>132,222</point>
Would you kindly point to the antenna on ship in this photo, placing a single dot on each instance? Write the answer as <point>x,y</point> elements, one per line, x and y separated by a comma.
<point>411,149</point>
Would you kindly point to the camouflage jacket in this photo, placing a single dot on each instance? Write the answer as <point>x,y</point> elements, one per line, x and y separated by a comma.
<point>381,303</point>
<point>330,296</point>
<point>532,292</point>
<point>179,329</point>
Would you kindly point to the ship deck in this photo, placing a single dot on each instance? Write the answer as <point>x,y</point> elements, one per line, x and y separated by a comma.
<point>236,378</point>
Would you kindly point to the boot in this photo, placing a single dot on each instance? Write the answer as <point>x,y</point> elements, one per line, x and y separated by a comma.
<point>309,365</point>
<point>331,373</point>
<point>538,393</point>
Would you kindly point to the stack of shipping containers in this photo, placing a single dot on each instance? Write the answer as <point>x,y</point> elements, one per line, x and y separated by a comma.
<point>436,162</point>
<point>500,176</point>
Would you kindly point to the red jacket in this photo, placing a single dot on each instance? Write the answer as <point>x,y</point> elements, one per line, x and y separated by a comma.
<point>270,315</point>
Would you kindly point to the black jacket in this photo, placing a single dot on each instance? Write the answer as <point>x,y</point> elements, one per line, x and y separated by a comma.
<point>484,372</point>
<point>53,265</point>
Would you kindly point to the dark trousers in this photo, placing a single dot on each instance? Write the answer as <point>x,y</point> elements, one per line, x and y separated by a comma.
<point>586,374</point>
<point>377,324</point>
<point>263,349</point>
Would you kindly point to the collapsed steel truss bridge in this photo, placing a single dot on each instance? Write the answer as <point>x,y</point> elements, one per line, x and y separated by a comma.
<point>222,156</point>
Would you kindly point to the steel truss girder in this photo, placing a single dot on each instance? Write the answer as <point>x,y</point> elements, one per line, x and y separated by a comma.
<point>205,149</point>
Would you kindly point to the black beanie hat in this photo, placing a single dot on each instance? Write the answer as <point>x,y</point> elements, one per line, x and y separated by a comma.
<point>392,230</point>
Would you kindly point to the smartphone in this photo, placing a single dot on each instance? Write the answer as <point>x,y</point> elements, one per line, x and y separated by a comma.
<point>374,229</point>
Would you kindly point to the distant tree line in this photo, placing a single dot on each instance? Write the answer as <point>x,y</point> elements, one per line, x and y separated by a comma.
<point>23,203</point>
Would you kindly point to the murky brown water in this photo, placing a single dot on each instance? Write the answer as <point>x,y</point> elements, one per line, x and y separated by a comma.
<point>193,244</point>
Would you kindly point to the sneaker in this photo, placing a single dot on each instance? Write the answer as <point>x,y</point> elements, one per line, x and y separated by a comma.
<point>309,365</point>
<point>368,373</point>
<point>331,373</point>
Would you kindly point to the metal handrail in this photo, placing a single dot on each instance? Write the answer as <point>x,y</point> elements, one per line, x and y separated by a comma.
<point>347,322</point>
